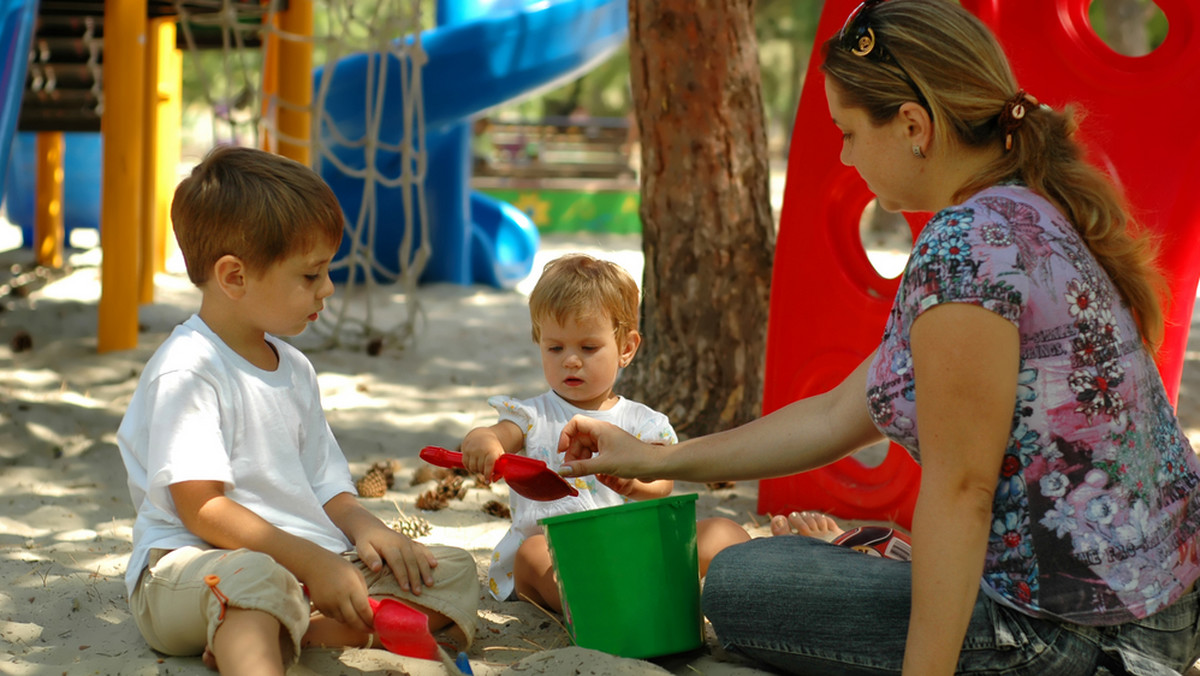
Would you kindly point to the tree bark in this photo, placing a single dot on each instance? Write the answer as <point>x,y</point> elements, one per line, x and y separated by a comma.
<point>1126,26</point>
<point>708,236</point>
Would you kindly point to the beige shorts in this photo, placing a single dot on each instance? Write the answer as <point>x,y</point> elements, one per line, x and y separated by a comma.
<point>178,613</point>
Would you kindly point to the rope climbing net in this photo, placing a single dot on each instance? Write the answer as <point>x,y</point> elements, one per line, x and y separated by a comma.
<point>246,107</point>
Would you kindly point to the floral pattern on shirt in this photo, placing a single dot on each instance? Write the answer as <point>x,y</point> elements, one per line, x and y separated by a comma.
<point>1096,508</point>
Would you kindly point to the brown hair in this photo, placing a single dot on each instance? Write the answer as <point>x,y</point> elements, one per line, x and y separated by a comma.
<point>251,204</point>
<point>576,286</point>
<point>940,55</point>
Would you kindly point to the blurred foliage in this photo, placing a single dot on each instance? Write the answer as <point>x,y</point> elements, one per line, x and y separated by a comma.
<point>785,30</point>
<point>215,78</point>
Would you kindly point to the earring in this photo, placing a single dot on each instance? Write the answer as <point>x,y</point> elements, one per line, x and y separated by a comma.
<point>917,152</point>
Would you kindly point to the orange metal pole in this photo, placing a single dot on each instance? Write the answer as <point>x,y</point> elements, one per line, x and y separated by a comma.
<point>48,234</point>
<point>121,203</point>
<point>270,74</point>
<point>294,73</point>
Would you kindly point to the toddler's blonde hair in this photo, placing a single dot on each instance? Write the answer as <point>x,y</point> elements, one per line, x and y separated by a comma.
<point>576,286</point>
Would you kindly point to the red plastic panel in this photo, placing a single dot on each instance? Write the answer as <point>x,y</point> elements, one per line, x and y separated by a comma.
<point>828,305</point>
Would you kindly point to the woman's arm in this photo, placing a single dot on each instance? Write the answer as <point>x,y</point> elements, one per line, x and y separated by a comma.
<point>803,435</point>
<point>965,361</point>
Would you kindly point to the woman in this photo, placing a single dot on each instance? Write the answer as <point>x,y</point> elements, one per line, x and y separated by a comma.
<point>1056,526</point>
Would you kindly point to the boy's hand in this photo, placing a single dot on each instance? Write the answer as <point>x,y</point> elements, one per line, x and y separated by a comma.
<point>338,591</point>
<point>411,562</point>
<point>377,544</point>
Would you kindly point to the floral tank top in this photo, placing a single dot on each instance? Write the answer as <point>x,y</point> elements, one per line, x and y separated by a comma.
<point>1097,508</point>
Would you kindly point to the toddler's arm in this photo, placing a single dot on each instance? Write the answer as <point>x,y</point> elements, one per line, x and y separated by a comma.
<point>411,563</point>
<point>335,586</point>
<point>483,445</point>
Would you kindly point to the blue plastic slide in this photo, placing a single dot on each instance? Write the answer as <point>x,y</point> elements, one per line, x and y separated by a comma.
<point>17,19</point>
<point>483,54</point>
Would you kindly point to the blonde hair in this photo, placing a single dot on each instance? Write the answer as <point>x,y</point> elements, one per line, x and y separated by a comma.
<point>942,56</point>
<point>576,286</point>
<point>251,204</point>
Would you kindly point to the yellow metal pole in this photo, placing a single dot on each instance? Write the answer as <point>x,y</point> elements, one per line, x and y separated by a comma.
<point>294,73</point>
<point>160,150</point>
<point>170,120</point>
<point>121,186</point>
<point>147,232</point>
<point>48,232</point>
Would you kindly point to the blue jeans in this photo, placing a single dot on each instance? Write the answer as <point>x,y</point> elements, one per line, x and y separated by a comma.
<point>801,606</point>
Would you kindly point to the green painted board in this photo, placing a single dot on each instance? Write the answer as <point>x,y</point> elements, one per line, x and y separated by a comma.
<point>557,210</point>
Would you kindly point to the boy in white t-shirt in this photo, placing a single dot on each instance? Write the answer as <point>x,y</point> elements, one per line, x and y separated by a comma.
<point>585,323</point>
<point>249,541</point>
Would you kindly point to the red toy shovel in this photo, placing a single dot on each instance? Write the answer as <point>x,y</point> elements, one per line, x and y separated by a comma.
<point>527,476</point>
<point>403,630</point>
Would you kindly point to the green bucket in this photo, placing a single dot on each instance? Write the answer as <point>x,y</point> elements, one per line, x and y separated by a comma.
<point>629,576</point>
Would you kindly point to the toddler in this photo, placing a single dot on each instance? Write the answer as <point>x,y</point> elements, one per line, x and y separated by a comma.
<point>585,323</point>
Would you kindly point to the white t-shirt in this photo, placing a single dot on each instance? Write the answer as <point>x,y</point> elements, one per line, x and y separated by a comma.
<point>542,420</point>
<point>202,412</point>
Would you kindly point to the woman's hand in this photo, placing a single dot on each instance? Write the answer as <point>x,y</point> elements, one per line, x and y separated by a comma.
<point>590,446</point>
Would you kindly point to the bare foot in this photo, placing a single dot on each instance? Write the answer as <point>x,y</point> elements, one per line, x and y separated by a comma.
<point>812,524</point>
<point>209,659</point>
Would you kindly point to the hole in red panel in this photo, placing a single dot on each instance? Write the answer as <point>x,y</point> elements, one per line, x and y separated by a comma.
<point>887,239</point>
<point>1129,27</point>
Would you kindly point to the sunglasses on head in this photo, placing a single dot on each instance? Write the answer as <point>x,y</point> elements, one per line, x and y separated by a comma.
<point>858,37</point>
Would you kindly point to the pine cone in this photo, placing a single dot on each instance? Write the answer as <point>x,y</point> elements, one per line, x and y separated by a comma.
<point>430,501</point>
<point>373,485</point>
<point>497,509</point>
<point>412,526</point>
<point>388,471</point>
<point>450,487</point>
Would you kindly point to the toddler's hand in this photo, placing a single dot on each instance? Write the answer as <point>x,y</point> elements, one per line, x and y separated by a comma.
<point>620,486</point>
<point>480,451</point>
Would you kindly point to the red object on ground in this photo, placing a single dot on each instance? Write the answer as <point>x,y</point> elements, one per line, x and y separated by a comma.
<point>403,630</point>
<point>829,305</point>
<point>527,476</point>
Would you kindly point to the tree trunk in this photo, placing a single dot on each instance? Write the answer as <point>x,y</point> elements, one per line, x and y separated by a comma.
<point>708,236</point>
<point>1125,22</point>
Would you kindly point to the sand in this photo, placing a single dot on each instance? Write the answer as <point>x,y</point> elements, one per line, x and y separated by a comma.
<point>66,519</point>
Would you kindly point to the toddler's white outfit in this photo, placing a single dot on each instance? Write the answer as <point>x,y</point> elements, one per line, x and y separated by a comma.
<point>542,419</point>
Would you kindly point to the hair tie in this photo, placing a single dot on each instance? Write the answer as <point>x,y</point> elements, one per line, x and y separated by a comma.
<point>1013,115</point>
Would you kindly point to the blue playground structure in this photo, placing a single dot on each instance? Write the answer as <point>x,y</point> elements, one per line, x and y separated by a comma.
<point>484,53</point>
<point>17,18</point>
<point>83,158</point>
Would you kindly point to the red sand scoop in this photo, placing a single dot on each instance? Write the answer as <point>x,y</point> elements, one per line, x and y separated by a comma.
<point>527,476</point>
<point>403,630</point>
